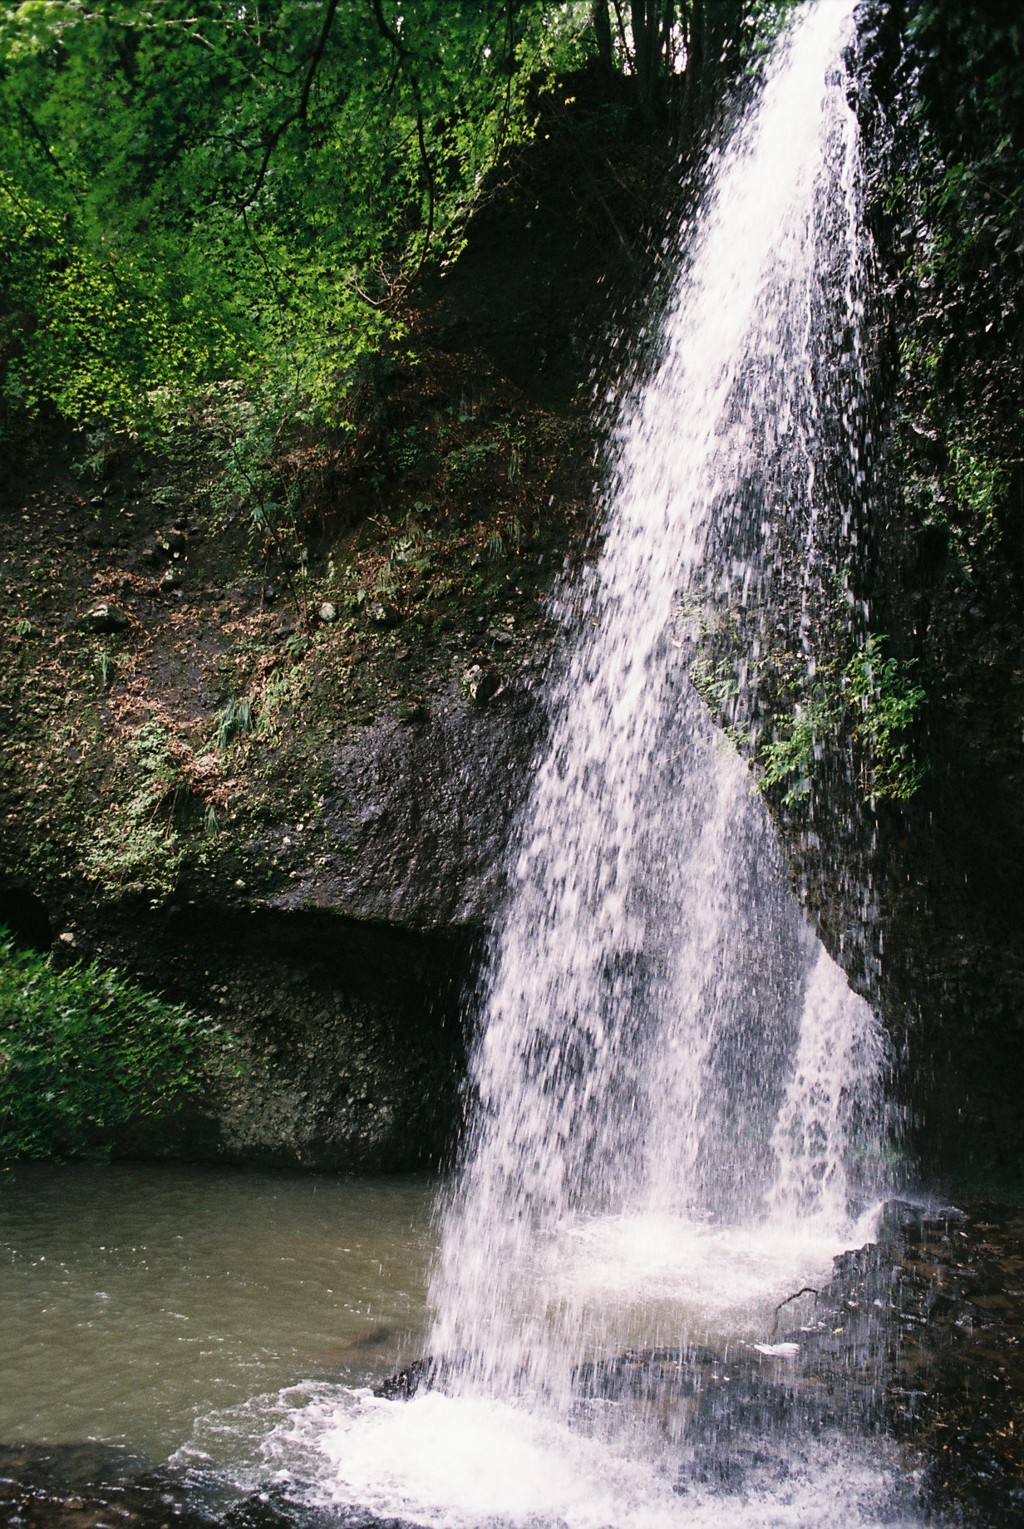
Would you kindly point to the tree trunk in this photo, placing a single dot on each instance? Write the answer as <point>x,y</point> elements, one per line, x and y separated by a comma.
<point>646,25</point>
<point>602,23</point>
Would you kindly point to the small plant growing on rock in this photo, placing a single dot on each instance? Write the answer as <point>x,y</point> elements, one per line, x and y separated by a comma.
<point>232,722</point>
<point>875,700</point>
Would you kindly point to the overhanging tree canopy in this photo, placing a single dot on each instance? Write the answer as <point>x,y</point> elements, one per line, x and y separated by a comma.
<point>192,192</point>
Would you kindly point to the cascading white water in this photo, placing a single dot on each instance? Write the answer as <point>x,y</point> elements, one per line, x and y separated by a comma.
<point>676,1098</point>
<point>662,1035</point>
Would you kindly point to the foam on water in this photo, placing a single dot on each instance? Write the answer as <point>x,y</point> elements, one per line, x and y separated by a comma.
<point>662,1033</point>
<point>676,1280</point>
<point>479,1463</point>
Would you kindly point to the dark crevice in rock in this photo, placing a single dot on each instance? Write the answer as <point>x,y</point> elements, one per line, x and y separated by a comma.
<point>349,1045</point>
<point>25,918</point>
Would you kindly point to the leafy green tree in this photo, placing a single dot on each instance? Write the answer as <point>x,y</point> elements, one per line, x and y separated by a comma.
<point>210,191</point>
<point>205,191</point>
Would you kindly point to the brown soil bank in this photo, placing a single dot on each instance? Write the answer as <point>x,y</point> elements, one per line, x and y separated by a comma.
<point>273,775</point>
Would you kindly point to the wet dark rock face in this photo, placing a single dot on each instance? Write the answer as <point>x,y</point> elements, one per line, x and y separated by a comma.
<point>86,1486</point>
<point>955,1387</point>
<point>922,901</point>
<point>917,1337</point>
<point>342,958</point>
<point>418,817</point>
<point>95,1486</point>
<point>348,1043</point>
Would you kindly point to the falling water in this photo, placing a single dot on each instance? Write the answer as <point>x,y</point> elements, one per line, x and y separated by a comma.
<point>675,1093</point>
<point>665,1048</point>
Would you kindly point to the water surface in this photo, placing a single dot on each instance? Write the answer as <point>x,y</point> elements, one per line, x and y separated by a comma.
<point>137,1300</point>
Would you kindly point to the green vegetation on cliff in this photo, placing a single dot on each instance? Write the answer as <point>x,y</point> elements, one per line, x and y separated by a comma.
<point>233,233</point>
<point>965,271</point>
<point>85,1055</point>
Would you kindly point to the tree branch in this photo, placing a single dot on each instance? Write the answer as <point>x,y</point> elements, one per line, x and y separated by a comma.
<point>402,64</point>
<point>37,134</point>
<point>301,110</point>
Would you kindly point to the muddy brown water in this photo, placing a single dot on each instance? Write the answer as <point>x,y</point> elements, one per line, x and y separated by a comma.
<point>137,1301</point>
<point>172,1318</point>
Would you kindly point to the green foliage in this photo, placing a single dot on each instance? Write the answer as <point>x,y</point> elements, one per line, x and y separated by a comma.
<point>874,700</point>
<point>714,681</point>
<point>295,645</point>
<point>789,759</point>
<point>464,463</point>
<point>232,723</point>
<point>136,844</point>
<point>677,55</point>
<point>964,202</point>
<point>84,1055</point>
<point>105,669</point>
<point>885,704</point>
<point>196,193</point>
<point>977,483</point>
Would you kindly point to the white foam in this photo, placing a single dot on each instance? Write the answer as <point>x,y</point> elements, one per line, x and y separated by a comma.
<point>724,1280</point>
<point>661,1033</point>
<point>473,1463</point>
<point>676,1094</point>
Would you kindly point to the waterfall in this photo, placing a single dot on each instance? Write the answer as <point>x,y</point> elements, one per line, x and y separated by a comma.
<point>663,1043</point>
<point>675,1096</point>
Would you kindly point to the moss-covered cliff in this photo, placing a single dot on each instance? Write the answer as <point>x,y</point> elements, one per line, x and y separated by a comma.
<point>946,565</point>
<point>270,699</point>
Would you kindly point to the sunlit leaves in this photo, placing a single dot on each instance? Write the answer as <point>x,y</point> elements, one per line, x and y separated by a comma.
<point>213,189</point>
<point>196,191</point>
<point>875,701</point>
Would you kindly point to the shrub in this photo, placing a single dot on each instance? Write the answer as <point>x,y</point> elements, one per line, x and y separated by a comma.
<point>85,1054</point>
<point>876,702</point>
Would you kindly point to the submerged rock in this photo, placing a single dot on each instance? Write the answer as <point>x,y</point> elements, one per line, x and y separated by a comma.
<point>90,1486</point>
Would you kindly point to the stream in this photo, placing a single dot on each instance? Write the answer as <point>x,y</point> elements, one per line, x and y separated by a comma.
<point>186,1345</point>
<point>226,1328</point>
